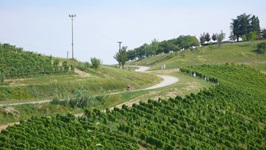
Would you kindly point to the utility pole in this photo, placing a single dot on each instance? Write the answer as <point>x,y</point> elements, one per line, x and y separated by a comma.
<point>145,50</point>
<point>119,44</point>
<point>72,18</point>
<point>120,64</point>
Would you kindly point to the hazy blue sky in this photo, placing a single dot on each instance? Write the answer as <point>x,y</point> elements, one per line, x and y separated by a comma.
<point>45,27</point>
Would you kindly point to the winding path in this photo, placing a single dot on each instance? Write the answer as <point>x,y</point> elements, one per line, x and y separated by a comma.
<point>167,80</point>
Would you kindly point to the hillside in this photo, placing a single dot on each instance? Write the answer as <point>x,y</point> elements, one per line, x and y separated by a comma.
<point>219,103</point>
<point>32,76</point>
<point>239,53</point>
<point>223,117</point>
<point>18,63</point>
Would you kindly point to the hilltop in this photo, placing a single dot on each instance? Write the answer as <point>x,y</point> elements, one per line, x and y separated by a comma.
<point>239,53</point>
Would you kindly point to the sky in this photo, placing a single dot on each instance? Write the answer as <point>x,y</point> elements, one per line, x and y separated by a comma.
<point>44,26</point>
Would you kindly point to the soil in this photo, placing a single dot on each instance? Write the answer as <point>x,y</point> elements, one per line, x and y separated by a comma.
<point>82,73</point>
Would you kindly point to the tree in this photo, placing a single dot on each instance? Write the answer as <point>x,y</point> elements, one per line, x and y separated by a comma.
<point>214,37</point>
<point>186,41</point>
<point>207,37</point>
<point>254,25</point>
<point>121,56</point>
<point>220,38</point>
<point>202,38</point>
<point>244,24</point>
<point>154,46</point>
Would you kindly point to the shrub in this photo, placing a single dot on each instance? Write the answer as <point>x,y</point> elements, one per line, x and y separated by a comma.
<point>262,46</point>
<point>96,63</point>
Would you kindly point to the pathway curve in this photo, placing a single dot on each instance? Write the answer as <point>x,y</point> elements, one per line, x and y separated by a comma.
<point>167,80</point>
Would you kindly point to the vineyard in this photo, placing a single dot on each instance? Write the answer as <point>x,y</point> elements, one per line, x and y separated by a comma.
<point>17,63</point>
<point>230,115</point>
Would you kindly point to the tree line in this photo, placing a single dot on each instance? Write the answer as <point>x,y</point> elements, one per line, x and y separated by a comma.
<point>156,47</point>
<point>245,26</point>
<point>166,46</point>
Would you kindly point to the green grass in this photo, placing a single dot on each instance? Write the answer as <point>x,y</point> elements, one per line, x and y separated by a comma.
<point>106,79</point>
<point>110,79</point>
<point>239,53</point>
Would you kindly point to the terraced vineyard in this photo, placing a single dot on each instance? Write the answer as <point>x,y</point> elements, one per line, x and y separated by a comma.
<point>230,115</point>
<point>17,63</point>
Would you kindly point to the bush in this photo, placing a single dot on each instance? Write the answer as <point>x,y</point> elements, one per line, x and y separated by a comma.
<point>96,63</point>
<point>262,46</point>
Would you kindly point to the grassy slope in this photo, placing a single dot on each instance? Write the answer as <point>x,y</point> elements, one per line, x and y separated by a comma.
<point>226,116</point>
<point>228,53</point>
<point>106,79</point>
<point>240,53</point>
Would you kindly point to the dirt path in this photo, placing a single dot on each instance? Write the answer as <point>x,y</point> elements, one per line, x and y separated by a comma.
<point>167,80</point>
<point>82,73</point>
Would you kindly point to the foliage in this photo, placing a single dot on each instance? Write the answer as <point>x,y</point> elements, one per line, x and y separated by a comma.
<point>121,56</point>
<point>84,66</point>
<point>207,37</point>
<point>214,37</point>
<point>156,47</point>
<point>202,39</point>
<point>220,38</point>
<point>17,63</point>
<point>96,63</point>
<point>230,115</point>
<point>244,24</point>
<point>262,46</point>
<point>244,37</point>
<point>252,35</point>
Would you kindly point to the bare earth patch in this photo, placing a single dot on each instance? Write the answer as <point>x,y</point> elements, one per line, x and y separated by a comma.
<point>82,73</point>
<point>13,82</point>
<point>2,127</point>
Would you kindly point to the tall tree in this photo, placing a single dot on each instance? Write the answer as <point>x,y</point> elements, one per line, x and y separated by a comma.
<point>207,37</point>
<point>202,39</point>
<point>244,24</point>
<point>254,25</point>
<point>154,46</point>
<point>220,38</point>
<point>214,37</point>
<point>121,56</point>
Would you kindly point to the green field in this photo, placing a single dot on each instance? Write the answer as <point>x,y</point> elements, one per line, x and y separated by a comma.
<point>230,115</point>
<point>239,53</point>
<point>221,107</point>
